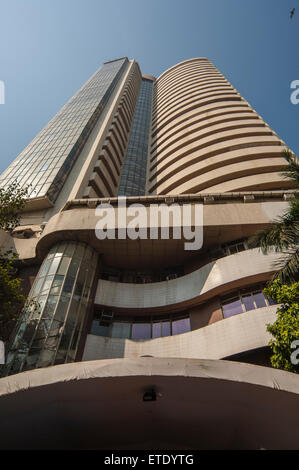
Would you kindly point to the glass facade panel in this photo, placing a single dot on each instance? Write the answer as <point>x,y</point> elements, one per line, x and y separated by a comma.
<point>99,329</point>
<point>121,330</point>
<point>259,299</point>
<point>233,307</point>
<point>156,330</point>
<point>46,162</point>
<point>248,302</point>
<point>141,330</point>
<point>49,321</point>
<point>181,326</point>
<point>245,302</point>
<point>133,176</point>
<point>165,328</point>
<point>104,325</point>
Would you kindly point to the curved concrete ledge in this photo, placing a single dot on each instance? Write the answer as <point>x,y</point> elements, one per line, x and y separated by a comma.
<point>223,220</point>
<point>217,276</point>
<point>194,115</point>
<point>258,182</point>
<point>183,367</point>
<point>200,404</point>
<point>199,124</point>
<point>177,90</point>
<point>203,60</point>
<point>240,333</point>
<point>200,177</point>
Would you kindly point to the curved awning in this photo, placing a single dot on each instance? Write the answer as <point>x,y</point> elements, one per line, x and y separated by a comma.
<point>201,404</point>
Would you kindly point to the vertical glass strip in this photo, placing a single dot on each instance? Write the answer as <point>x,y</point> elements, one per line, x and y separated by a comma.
<point>133,176</point>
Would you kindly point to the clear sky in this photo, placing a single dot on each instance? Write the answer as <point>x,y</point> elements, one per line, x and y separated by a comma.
<point>49,48</point>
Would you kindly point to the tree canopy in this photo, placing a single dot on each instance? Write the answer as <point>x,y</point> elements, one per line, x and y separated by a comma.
<point>12,202</point>
<point>285,329</point>
<point>283,233</point>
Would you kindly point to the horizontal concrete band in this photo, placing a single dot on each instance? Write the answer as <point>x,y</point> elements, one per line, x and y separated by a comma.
<point>240,333</point>
<point>217,274</point>
<point>227,217</point>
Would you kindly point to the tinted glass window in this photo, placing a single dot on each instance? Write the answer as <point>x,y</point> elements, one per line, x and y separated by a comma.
<point>165,328</point>
<point>259,299</point>
<point>248,302</point>
<point>231,308</point>
<point>141,330</point>
<point>180,326</point>
<point>120,330</point>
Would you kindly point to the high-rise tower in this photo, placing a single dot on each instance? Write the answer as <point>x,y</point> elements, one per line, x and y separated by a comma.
<point>206,138</point>
<point>186,138</point>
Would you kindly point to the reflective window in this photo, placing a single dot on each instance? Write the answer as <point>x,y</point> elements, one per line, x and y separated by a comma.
<point>245,300</point>
<point>165,328</point>
<point>248,302</point>
<point>233,307</point>
<point>259,299</point>
<point>180,326</point>
<point>141,331</point>
<point>105,324</point>
<point>121,330</point>
<point>55,310</point>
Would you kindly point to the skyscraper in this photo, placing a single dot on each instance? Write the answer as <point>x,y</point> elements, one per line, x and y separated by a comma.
<point>187,138</point>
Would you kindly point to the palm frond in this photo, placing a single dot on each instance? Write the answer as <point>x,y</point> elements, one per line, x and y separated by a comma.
<point>288,267</point>
<point>281,234</point>
<point>291,171</point>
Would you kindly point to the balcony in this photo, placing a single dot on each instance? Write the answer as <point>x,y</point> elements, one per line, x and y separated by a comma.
<point>217,277</point>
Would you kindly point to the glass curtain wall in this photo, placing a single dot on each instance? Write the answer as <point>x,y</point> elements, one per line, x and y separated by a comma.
<point>46,162</point>
<point>51,323</point>
<point>133,176</point>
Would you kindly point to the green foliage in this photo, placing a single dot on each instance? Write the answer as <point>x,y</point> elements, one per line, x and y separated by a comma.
<point>286,328</point>
<point>291,170</point>
<point>11,297</point>
<point>283,234</point>
<point>12,202</point>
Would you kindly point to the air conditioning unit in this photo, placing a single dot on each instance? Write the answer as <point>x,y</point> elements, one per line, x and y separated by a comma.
<point>249,198</point>
<point>23,233</point>
<point>169,200</point>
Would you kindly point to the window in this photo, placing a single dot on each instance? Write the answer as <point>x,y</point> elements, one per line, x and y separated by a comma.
<point>102,323</point>
<point>232,307</point>
<point>161,329</point>
<point>244,301</point>
<point>228,249</point>
<point>105,324</point>
<point>141,331</point>
<point>181,326</point>
<point>121,330</point>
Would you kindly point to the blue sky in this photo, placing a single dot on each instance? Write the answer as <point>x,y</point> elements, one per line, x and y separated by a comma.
<point>49,48</point>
